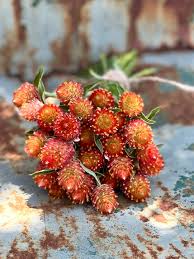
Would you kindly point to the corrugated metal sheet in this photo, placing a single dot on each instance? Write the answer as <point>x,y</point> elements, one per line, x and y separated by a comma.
<point>64,35</point>
<point>34,226</point>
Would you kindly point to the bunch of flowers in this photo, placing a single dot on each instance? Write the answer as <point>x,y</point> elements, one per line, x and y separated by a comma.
<point>91,141</point>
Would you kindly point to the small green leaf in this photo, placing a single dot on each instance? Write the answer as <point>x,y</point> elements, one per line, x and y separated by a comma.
<point>160,145</point>
<point>90,172</point>
<point>145,72</point>
<point>38,76</point>
<point>44,171</point>
<point>31,131</point>
<point>90,87</point>
<point>94,74</point>
<point>41,90</point>
<point>125,60</point>
<point>153,113</point>
<point>146,119</point>
<point>98,143</point>
<point>130,152</point>
<point>115,88</point>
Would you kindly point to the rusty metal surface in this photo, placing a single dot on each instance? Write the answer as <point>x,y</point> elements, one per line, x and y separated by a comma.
<point>34,226</point>
<point>65,35</point>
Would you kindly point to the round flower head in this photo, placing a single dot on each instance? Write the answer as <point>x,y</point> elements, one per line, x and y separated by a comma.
<point>138,134</point>
<point>137,188</point>
<point>46,180</point>
<point>121,168</point>
<point>104,199</point>
<point>34,143</point>
<point>92,159</point>
<point>131,104</point>
<point>150,160</point>
<point>104,122</point>
<point>67,127</point>
<point>86,137</point>
<point>83,193</point>
<point>25,93</point>
<point>55,154</point>
<point>71,177</point>
<point>102,98</point>
<point>29,110</point>
<point>113,145</point>
<point>81,108</point>
<point>68,91</point>
<point>47,115</point>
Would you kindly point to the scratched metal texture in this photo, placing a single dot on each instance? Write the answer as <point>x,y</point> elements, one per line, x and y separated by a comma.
<point>67,34</point>
<point>34,226</point>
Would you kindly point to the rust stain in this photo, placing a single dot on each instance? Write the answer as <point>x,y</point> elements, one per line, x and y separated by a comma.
<point>136,252</point>
<point>99,232</point>
<point>185,243</point>
<point>184,11</point>
<point>53,241</point>
<point>177,251</point>
<point>15,210</point>
<point>16,252</point>
<point>71,222</point>
<point>10,127</point>
<point>20,28</point>
<point>149,245</point>
<point>134,11</point>
<point>165,212</point>
<point>169,101</point>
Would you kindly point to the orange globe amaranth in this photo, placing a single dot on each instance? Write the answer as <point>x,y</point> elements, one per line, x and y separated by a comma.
<point>34,143</point>
<point>150,160</point>
<point>136,188</point>
<point>83,193</point>
<point>56,153</point>
<point>71,177</point>
<point>104,122</point>
<point>121,168</point>
<point>25,93</point>
<point>69,90</point>
<point>102,98</point>
<point>113,145</point>
<point>131,104</point>
<point>91,158</point>
<point>47,116</point>
<point>138,134</point>
<point>81,108</point>
<point>67,127</point>
<point>104,199</point>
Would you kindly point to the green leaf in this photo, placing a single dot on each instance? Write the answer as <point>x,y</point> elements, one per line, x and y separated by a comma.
<point>98,143</point>
<point>124,60</point>
<point>146,119</point>
<point>44,171</point>
<point>153,113</point>
<point>145,72</point>
<point>94,74</point>
<point>41,90</point>
<point>130,152</point>
<point>38,76</point>
<point>90,172</point>
<point>31,131</point>
<point>115,88</point>
<point>160,145</point>
<point>90,87</point>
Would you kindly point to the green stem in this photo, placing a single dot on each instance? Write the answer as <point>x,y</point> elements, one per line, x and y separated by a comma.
<point>90,172</point>
<point>48,94</point>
